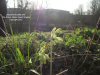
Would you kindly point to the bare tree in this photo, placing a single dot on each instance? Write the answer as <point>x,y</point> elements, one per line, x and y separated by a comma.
<point>22,5</point>
<point>95,6</point>
<point>79,10</point>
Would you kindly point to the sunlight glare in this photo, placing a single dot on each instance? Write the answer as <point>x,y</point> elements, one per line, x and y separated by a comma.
<point>69,5</point>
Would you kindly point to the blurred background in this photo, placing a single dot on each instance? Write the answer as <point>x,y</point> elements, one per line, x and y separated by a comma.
<point>43,15</point>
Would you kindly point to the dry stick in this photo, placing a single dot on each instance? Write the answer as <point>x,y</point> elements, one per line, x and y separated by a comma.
<point>78,61</point>
<point>98,39</point>
<point>4,25</point>
<point>62,72</point>
<point>83,61</point>
<point>51,61</point>
<point>74,55</point>
<point>3,31</point>
<point>98,27</point>
<point>41,65</point>
<point>98,24</point>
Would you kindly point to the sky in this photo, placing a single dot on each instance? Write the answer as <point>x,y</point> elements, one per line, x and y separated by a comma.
<point>68,5</point>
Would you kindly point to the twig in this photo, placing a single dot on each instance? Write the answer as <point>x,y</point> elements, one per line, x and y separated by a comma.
<point>62,72</point>
<point>74,55</point>
<point>3,30</point>
<point>98,24</point>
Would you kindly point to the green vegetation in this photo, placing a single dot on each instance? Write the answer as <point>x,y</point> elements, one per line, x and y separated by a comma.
<point>38,52</point>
